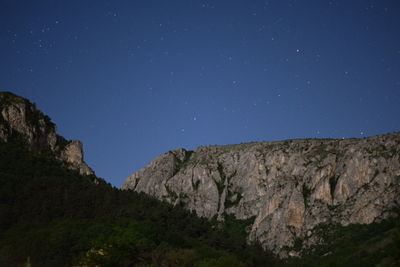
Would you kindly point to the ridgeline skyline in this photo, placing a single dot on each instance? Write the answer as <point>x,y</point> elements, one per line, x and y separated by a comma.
<point>133,80</point>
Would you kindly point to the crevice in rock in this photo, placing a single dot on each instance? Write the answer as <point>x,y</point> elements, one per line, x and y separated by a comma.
<point>332,183</point>
<point>181,163</point>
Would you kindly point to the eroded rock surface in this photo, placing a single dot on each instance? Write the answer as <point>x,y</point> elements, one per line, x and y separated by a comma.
<point>19,116</point>
<point>289,187</point>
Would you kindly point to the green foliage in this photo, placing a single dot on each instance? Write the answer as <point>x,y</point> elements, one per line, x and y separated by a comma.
<point>52,216</point>
<point>55,217</point>
<point>27,263</point>
<point>7,98</point>
<point>33,117</point>
<point>376,244</point>
<point>237,228</point>
<point>61,143</point>
<point>231,203</point>
<point>185,162</point>
<point>221,183</point>
<point>321,151</point>
<point>182,164</point>
<point>126,241</point>
<point>227,260</point>
<point>171,193</point>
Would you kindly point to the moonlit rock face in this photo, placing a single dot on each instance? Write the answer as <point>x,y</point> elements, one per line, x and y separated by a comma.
<point>289,187</point>
<point>19,116</point>
<point>73,154</point>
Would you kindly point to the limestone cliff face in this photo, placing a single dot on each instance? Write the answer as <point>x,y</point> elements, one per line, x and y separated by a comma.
<point>19,116</point>
<point>289,187</point>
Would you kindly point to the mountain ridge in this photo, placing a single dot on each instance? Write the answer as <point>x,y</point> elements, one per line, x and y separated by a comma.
<point>53,214</point>
<point>286,189</point>
<point>290,187</point>
<point>18,116</point>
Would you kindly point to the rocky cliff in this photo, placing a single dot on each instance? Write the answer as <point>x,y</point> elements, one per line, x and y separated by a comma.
<point>290,188</point>
<point>20,117</point>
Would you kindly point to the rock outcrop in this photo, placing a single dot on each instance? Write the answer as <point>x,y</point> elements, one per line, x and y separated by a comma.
<point>20,117</point>
<point>290,188</point>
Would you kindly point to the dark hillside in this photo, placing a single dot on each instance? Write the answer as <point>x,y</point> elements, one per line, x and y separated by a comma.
<point>52,216</point>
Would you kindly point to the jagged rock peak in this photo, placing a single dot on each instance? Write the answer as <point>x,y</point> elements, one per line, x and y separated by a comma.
<point>21,117</point>
<point>289,187</point>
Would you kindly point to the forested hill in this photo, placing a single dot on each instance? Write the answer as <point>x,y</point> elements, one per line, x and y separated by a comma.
<point>53,216</point>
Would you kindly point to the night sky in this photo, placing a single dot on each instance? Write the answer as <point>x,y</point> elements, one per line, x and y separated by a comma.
<point>134,79</point>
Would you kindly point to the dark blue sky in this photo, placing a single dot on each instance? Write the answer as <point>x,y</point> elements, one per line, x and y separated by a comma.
<point>134,79</point>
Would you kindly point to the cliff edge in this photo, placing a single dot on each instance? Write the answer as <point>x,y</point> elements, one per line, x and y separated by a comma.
<point>20,117</point>
<point>290,188</point>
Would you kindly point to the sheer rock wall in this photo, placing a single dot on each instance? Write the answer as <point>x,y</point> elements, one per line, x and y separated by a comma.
<point>289,187</point>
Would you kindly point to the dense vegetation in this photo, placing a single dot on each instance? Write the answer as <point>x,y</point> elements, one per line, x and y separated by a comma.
<point>52,216</point>
<point>376,244</point>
